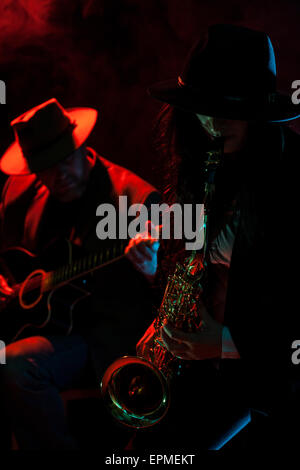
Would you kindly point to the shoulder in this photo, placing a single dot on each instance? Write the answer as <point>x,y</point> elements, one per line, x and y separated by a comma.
<point>126,183</point>
<point>17,187</point>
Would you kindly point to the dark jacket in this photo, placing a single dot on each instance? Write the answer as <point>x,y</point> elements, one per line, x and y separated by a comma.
<point>261,304</point>
<point>30,218</point>
<point>261,308</point>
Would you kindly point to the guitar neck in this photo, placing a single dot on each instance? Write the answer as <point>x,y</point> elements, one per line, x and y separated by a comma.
<point>80,267</point>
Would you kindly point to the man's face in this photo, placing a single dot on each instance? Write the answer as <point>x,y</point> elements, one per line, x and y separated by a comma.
<point>234,131</point>
<point>67,179</point>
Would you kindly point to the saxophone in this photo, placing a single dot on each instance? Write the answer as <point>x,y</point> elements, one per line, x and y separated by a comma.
<point>136,389</point>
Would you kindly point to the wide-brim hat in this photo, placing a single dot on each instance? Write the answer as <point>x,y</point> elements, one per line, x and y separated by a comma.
<point>230,73</point>
<point>45,135</point>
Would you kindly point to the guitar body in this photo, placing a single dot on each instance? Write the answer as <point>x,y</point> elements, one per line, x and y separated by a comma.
<point>56,310</point>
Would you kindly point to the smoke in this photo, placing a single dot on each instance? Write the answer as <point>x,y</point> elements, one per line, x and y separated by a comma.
<point>105,53</point>
<point>21,19</point>
<point>36,53</point>
<point>24,19</point>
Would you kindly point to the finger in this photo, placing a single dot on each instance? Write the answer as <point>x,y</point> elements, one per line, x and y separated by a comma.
<point>178,350</point>
<point>129,246</point>
<point>139,239</point>
<point>203,336</point>
<point>148,248</point>
<point>183,355</point>
<point>175,333</point>
<point>154,230</point>
<point>151,243</point>
<point>154,245</point>
<point>172,343</point>
<point>148,226</point>
<point>4,286</point>
<point>133,242</point>
<point>145,250</point>
<point>6,290</point>
<point>137,258</point>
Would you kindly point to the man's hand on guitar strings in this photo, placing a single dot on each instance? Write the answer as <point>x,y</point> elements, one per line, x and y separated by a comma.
<point>142,251</point>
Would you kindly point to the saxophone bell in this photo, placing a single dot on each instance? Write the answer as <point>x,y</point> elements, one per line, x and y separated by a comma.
<point>135,392</point>
<point>136,389</point>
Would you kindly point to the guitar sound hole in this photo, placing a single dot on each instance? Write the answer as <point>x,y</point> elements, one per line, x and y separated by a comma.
<point>32,296</point>
<point>30,293</point>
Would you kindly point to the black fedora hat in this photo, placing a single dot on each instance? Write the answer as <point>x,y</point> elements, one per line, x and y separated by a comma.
<point>230,73</point>
<point>45,135</point>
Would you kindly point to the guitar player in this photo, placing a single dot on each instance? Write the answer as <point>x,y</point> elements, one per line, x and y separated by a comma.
<point>55,184</point>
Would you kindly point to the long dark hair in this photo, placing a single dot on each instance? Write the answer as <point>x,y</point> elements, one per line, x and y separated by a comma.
<point>182,144</point>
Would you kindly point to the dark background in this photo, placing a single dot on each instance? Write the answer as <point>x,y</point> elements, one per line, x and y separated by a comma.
<point>105,53</point>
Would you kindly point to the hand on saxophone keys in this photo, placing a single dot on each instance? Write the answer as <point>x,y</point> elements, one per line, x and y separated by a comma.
<point>206,343</point>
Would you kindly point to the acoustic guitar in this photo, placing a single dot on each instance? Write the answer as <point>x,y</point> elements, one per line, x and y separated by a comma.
<point>48,298</point>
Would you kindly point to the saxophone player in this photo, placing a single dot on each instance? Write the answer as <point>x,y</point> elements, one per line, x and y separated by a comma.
<point>228,89</point>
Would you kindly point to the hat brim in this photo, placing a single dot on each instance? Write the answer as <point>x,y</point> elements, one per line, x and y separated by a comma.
<point>252,109</point>
<point>13,161</point>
